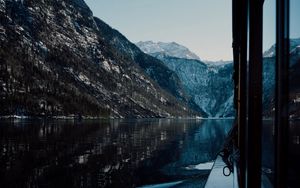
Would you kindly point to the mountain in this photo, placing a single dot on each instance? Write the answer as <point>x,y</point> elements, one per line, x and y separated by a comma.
<point>57,59</point>
<point>269,74</point>
<point>154,68</point>
<point>294,49</point>
<point>210,86</point>
<point>170,49</point>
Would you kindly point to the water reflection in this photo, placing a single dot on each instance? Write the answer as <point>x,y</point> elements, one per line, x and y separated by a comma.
<point>116,153</point>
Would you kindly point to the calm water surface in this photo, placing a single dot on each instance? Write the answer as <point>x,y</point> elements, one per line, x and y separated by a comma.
<point>111,153</point>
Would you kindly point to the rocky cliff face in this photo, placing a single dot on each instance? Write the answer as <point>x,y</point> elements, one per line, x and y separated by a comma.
<point>210,87</point>
<point>57,59</point>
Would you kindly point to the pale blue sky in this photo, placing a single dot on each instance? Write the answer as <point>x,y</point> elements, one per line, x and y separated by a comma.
<point>270,21</point>
<point>204,26</point>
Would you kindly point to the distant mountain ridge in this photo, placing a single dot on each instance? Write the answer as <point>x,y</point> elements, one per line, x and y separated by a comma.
<point>172,49</point>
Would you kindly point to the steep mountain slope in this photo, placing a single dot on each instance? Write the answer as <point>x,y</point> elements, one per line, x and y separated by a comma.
<point>57,59</point>
<point>167,48</point>
<point>210,87</point>
<point>156,69</point>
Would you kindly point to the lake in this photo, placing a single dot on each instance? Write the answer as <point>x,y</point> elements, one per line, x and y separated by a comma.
<point>108,153</point>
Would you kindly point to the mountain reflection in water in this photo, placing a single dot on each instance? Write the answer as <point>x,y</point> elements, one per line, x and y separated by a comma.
<point>107,153</point>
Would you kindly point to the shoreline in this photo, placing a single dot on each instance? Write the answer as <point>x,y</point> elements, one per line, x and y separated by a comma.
<point>75,117</point>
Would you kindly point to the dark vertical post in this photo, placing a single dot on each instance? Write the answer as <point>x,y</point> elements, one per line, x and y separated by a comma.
<point>243,89</point>
<point>240,38</point>
<point>282,92</point>
<point>253,168</point>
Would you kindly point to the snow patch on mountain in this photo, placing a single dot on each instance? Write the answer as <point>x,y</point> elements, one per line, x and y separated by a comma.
<point>168,48</point>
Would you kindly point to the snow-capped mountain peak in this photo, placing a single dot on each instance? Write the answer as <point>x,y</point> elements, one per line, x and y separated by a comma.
<point>167,48</point>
